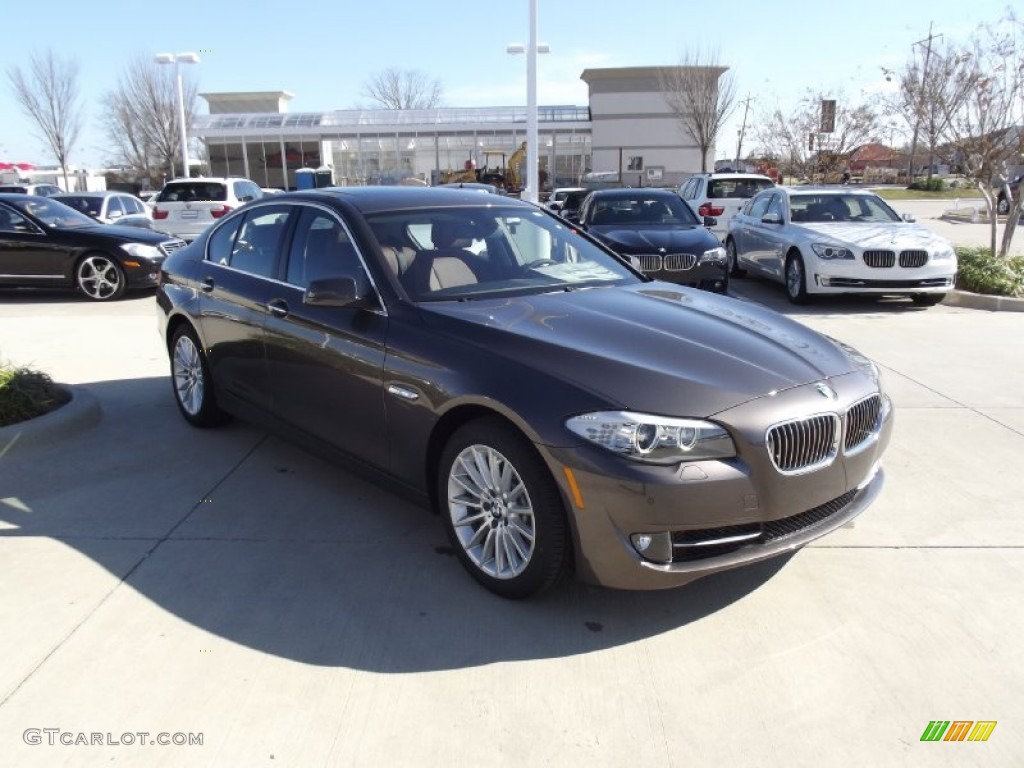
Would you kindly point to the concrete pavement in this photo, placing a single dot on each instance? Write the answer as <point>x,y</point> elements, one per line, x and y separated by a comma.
<point>156,578</point>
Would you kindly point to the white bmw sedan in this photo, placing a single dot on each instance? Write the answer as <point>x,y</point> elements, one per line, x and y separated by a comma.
<point>821,240</point>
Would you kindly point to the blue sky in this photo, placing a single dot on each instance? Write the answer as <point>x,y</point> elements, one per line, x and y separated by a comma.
<point>324,52</point>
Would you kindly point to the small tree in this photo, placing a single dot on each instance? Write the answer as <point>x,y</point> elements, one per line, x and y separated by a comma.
<point>48,95</point>
<point>141,117</point>
<point>702,94</point>
<point>403,89</point>
<point>792,134</point>
<point>983,130</point>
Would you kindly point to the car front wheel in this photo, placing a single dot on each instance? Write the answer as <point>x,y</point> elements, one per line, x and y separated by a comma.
<point>100,277</point>
<point>732,257</point>
<point>796,279</point>
<point>502,510</point>
<point>192,383</point>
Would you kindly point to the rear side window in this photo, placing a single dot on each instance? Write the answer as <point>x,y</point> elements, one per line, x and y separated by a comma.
<point>89,205</point>
<point>193,192</point>
<point>737,188</point>
<point>259,240</point>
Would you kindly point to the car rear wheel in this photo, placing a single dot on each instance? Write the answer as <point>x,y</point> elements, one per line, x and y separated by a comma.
<point>731,256</point>
<point>502,510</point>
<point>100,277</point>
<point>192,383</point>
<point>927,299</point>
<point>796,279</point>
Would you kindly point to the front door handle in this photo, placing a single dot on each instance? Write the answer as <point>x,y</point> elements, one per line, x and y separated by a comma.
<point>278,307</point>
<point>207,285</point>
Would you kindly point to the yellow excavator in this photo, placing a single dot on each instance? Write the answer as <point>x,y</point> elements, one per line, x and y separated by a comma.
<point>506,176</point>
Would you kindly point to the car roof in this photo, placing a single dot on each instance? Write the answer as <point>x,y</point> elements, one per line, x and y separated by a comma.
<point>94,193</point>
<point>817,189</point>
<point>390,198</point>
<point>628,192</point>
<point>737,175</point>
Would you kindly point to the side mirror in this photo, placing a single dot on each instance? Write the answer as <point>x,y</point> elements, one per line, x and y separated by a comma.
<point>909,218</point>
<point>771,218</point>
<point>342,291</point>
<point>710,221</point>
<point>115,215</point>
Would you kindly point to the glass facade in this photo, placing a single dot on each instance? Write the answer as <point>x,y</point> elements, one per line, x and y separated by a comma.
<point>386,146</point>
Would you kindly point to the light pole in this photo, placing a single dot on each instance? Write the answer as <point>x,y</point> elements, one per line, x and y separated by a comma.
<point>176,59</point>
<point>532,191</point>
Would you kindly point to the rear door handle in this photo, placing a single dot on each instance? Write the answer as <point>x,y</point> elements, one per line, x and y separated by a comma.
<point>278,307</point>
<point>207,285</point>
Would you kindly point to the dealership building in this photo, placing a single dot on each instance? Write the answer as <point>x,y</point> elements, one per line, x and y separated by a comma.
<point>627,133</point>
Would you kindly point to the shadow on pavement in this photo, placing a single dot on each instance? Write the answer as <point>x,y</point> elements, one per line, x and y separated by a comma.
<point>250,538</point>
<point>773,296</point>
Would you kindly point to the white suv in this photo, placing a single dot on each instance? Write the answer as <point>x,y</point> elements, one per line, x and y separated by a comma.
<point>186,207</point>
<point>721,195</point>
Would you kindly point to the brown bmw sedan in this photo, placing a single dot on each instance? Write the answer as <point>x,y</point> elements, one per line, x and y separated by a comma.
<point>559,410</point>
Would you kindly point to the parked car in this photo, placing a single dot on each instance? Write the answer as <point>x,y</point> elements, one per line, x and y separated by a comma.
<point>1002,201</point>
<point>43,190</point>
<point>46,244</point>
<point>829,240</point>
<point>186,207</point>
<point>721,195</point>
<point>559,195</point>
<point>664,239</point>
<point>570,206</point>
<point>558,409</point>
<point>477,185</point>
<point>109,207</point>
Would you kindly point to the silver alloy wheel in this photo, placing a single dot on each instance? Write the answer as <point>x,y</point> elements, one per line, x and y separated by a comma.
<point>188,375</point>
<point>99,277</point>
<point>794,277</point>
<point>491,512</point>
<point>730,253</point>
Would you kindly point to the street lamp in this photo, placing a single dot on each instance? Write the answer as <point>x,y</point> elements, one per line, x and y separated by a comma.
<point>176,59</point>
<point>531,193</point>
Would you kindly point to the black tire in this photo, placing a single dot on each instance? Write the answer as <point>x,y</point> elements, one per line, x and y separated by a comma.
<point>734,267</point>
<point>191,381</point>
<point>796,279</point>
<point>927,299</point>
<point>497,515</point>
<point>100,277</point>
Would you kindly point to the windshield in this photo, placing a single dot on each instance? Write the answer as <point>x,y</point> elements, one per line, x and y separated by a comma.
<point>642,209</point>
<point>737,188</point>
<point>836,206</point>
<point>87,205</point>
<point>53,213</point>
<point>467,253</point>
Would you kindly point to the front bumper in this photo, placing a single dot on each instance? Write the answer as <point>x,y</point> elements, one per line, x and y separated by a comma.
<point>835,276</point>
<point>708,516</point>
<point>675,268</point>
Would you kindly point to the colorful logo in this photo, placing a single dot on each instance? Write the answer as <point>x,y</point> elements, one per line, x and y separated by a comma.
<point>958,730</point>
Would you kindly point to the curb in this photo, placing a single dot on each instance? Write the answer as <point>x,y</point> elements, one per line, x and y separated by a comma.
<point>80,412</point>
<point>958,298</point>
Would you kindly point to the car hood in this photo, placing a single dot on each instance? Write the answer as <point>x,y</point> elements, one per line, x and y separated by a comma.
<point>671,239</point>
<point>870,236</point>
<point>651,347</point>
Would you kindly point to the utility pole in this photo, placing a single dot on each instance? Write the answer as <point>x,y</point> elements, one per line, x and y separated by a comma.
<point>920,100</point>
<point>743,130</point>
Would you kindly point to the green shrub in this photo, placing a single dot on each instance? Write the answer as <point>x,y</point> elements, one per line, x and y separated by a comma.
<point>981,272</point>
<point>25,394</point>
<point>934,184</point>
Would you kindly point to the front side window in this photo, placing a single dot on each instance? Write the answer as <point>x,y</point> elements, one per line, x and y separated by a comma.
<point>259,240</point>
<point>320,248</point>
<point>54,214</point>
<point>12,221</point>
<point>760,206</point>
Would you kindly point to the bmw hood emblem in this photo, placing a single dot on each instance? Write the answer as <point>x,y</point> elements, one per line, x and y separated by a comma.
<point>826,391</point>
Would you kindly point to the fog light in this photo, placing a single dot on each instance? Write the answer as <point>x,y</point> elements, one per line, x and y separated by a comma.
<point>656,547</point>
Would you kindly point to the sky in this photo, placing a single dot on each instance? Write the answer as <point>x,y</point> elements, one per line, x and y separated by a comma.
<point>325,51</point>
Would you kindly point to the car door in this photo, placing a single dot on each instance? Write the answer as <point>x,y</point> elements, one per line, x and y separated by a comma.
<point>774,236</point>
<point>326,364</point>
<point>748,237</point>
<point>28,256</point>
<point>236,281</point>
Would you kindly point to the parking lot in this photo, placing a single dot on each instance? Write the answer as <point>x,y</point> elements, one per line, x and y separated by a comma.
<point>162,580</point>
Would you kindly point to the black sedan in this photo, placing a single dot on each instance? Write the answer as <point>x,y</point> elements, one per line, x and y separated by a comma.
<point>659,233</point>
<point>559,410</point>
<point>46,244</point>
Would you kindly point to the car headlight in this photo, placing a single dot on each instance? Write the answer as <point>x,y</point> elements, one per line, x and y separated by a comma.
<point>713,256</point>
<point>944,253</point>
<point>141,251</point>
<point>653,439</point>
<point>830,251</point>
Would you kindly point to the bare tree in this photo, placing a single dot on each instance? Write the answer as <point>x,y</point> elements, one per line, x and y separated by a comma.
<point>141,118</point>
<point>48,94</point>
<point>793,134</point>
<point>403,89</point>
<point>984,131</point>
<point>702,94</point>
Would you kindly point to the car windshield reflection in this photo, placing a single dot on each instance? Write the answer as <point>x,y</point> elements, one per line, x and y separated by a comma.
<point>54,214</point>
